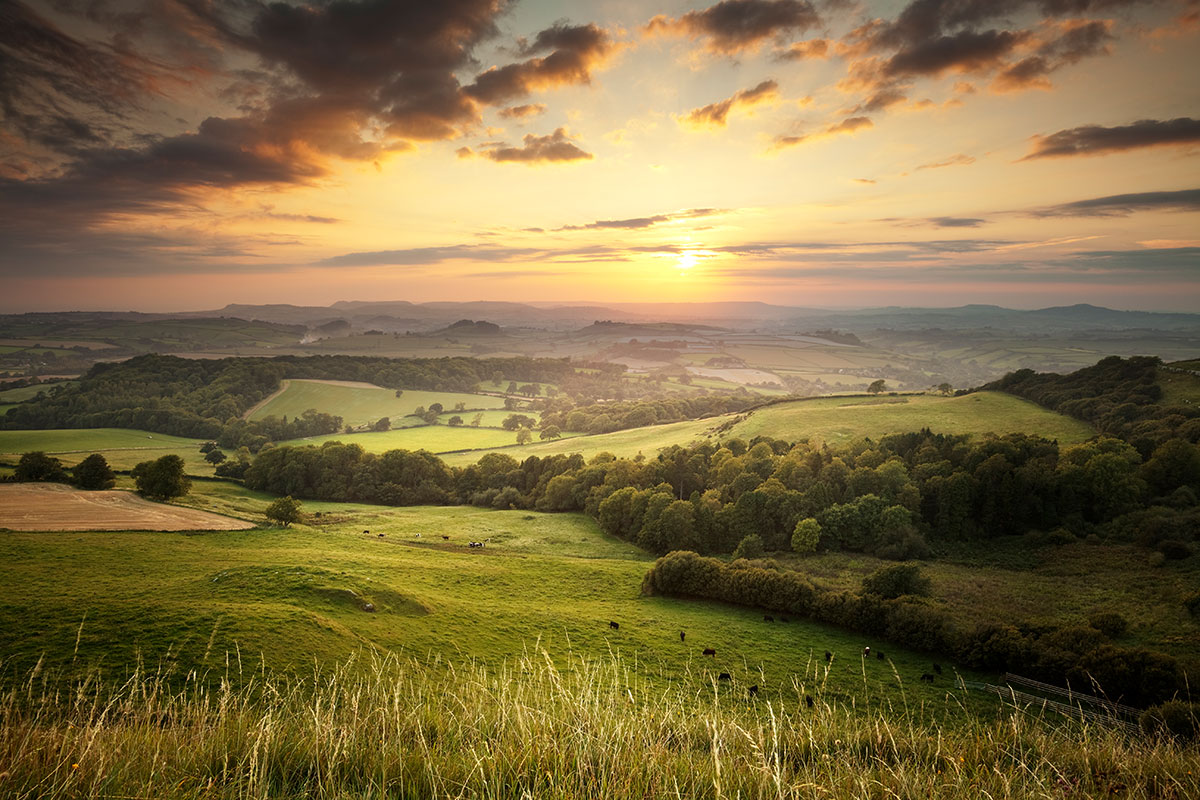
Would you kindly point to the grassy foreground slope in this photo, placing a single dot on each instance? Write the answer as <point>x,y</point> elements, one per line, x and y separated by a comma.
<point>835,420</point>
<point>360,403</point>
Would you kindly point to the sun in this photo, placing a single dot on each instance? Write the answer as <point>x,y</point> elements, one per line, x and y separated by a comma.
<point>687,260</point>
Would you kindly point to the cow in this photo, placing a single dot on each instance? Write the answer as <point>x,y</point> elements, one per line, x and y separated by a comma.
<point>927,678</point>
<point>867,652</point>
<point>724,676</point>
<point>879,654</point>
<point>366,533</point>
<point>828,656</point>
<point>937,668</point>
<point>708,651</point>
<point>768,618</point>
<point>444,536</point>
<point>615,626</point>
<point>753,690</point>
<point>808,701</point>
<point>682,636</point>
<point>381,535</point>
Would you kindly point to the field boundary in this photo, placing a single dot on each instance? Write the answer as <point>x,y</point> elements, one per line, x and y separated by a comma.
<point>283,385</point>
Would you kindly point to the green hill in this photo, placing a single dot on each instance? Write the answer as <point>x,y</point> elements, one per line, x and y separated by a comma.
<point>123,448</point>
<point>361,403</point>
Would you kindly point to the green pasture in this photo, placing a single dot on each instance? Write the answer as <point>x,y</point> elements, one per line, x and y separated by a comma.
<point>284,598</point>
<point>1180,388</point>
<point>836,420</point>
<point>4,407</point>
<point>434,438</point>
<point>488,419</point>
<point>29,392</point>
<point>360,405</point>
<point>122,447</point>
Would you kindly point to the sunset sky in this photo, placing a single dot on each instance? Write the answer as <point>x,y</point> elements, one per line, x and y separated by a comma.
<point>185,154</point>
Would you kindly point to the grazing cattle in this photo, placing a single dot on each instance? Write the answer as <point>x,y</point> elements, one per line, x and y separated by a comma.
<point>614,626</point>
<point>682,636</point>
<point>768,619</point>
<point>724,676</point>
<point>866,652</point>
<point>708,651</point>
<point>808,701</point>
<point>937,668</point>
<point>753,690</point>
<point>417,535</point>
<point>366,532</point>
<point>474,544</point>
<point>927,678</point>
<point>879,654</point>
<point>828,656</point>
<point>444,536</point>
<point>381,535</point>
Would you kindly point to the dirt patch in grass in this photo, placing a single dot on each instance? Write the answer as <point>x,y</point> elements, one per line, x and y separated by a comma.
<point>54,507</point>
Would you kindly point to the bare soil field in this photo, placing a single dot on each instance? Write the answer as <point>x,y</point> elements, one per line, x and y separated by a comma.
<point>54,507</point>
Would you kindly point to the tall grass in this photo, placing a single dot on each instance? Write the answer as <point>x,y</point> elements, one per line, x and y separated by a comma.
<point>400,727</point>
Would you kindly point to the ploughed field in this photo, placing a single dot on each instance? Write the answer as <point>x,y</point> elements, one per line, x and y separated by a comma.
<point>55,507</point>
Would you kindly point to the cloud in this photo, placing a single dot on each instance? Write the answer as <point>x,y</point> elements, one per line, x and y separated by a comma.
<point>419,256</point>
<point>1096,139</point>
<point>846,126</point>
<point>572,53</point>
<point>961,159</point>
<point>638,223</point>
<point>1077,39</point>
<point>956,222</point>
<point>715,114</point>
<point>967,51</point>
<point>734,26</point>
<point>1120,205</point>
<point>805,50</point>
<point>554,147</point>
<point>523,112</point>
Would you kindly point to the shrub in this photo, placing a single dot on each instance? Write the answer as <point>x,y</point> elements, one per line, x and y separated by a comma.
<point>1174,549</point>
<point>806,535</point>
<point>1173,717</point>
<point>750,547</point>
<point>162,479</point>
<point>37,466</point>
<point>94,473</point>
<point>896,580</point>
<point>284,511</point>
<point>1110,623</point>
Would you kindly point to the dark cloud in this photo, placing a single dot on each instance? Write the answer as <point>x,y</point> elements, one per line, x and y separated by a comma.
<point>732,26</point>
<point>524,111</point>
<point>638,223</point>
<point>1125,204</point>
<point>804,51</point>
<point>1096,139</point>
<point>715,114</point>
<point>966,51</point>
<point>1077,41</point>
<point>574,51</point>
<point>554,147</point>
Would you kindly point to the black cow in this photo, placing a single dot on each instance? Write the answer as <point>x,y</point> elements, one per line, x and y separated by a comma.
<point>381,536</point>
<point>708,651</point>
<point>615,626</point>
<point>367,532</point>
<point>879,654</point>
<point>927,678</point>
<point>808,701</point>
<point>445,537</point>
<point>937,668</point>
<point>682,636</point>
<point>724,676</point>
<point>828,656</point>
<point>753,690</point>
<point>768,619</point>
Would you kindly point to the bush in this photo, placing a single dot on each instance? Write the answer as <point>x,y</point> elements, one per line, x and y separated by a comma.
<point>94,473</point>
<point>1192,604</point>
<point>1175,717</point>
<point>162,479</point>
<point>37,466</point>
<point>806,535</point>
<point>284,511</point>
<point>896,580</point>
<point>1174,549</point>
<point>1110,623</point>
<point>750,547</point>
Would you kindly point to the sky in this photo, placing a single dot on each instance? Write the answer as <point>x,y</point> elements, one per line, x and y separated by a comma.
<point>185,154</point>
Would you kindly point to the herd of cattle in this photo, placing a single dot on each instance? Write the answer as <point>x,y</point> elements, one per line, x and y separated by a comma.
<point>444,537</point>
<point>927,677</point>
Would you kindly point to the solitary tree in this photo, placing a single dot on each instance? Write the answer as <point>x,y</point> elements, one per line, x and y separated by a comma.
<point>477,420</point>
<point>806,535</point>
<point>94,473</point>
<point>214,457</point>
<point>382,424</point>
<point>550,432</point>
<point>284,511</point>
<point>877,386</point>
<point>524,436</point>
<point>455,421</point>
<point>162,479</point>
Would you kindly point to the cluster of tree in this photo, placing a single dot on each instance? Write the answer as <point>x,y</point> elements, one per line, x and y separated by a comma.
<point>887,608</point>
<point>1119,396</point>
<point>607,417</point>
<point>92,472</point>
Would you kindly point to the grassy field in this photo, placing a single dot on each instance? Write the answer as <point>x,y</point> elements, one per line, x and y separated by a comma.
<point>1179,388</point>
<point>488,419</point>
<point>434,438</point>
<point>123,448</point>
<point>359,404</point>
<point>29,392</point>
<point>835,420</point>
